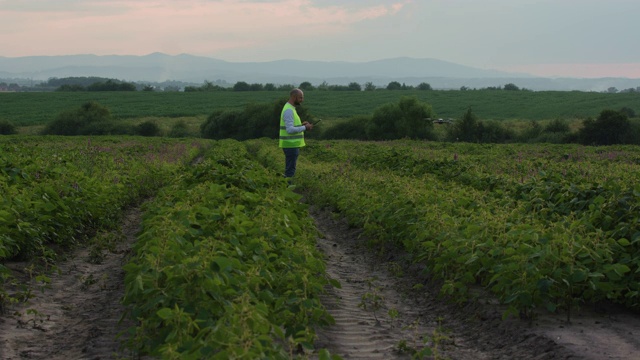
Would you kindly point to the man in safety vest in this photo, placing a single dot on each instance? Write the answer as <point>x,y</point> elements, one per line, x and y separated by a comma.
<point>292,132</point>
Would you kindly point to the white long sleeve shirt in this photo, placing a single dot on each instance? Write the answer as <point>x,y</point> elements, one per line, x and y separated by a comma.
<point>288,123</point>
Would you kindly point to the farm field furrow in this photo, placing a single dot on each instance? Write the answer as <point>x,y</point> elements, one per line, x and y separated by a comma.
<point>548,242</point>
<point>227,262</point>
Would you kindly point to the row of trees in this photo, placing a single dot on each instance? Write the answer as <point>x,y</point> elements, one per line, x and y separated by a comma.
<point>80,84</point>
<point>103,84</point>
<point>305,86</point>
<point>86,83</point>
<point>109,85</point>
<point>9,87</point>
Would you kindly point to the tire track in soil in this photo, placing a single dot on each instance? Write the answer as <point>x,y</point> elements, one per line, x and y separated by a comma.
<point>78,315</point>
<point>462,332</point>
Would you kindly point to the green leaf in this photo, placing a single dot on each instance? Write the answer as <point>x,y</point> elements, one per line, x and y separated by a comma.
<point>324,354</point>
<point>221,263</point>
<point>139,283</point>
<point>335,283</point>
<point>165,313</point>
<point>578,276</point>
<point>621,269</point>
<point>4,215</point>
<point>624,242</point>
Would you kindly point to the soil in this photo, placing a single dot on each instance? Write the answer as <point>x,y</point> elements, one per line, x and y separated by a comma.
<point>385,309</point>
<point>78,315</point>
<point>474,330</point>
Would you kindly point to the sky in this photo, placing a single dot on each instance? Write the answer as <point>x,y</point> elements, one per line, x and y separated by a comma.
<point>552,38</point>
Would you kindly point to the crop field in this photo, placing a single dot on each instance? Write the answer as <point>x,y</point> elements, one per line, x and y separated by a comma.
<point>226,265</point>
<point>27,109</point>
<point>224,242</point>
<point>543,227</point>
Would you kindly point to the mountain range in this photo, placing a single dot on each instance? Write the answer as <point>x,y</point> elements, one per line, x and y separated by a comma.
<point>158,67</point>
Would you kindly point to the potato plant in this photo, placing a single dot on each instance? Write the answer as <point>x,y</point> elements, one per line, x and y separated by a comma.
<point>56,191</point>
<point>542,227</point>
<point>226,265</point>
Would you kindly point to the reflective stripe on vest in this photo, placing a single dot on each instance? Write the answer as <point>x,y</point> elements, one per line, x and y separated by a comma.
<point>290,140</point>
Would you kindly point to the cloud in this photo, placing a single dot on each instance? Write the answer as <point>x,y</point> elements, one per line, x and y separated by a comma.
<point>485,34</point>
<point>198,26</point>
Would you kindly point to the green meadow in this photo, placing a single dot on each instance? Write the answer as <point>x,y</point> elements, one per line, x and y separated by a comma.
<point>29,109</point>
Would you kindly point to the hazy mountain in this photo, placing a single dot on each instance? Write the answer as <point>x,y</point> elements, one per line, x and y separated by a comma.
<point>159,67</point>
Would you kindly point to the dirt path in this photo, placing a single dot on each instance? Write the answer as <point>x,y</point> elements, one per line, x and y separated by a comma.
<point>474,331</point>
<point>77,316</point>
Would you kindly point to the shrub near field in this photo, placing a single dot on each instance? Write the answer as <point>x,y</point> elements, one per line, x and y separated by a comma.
<point>542,227</point>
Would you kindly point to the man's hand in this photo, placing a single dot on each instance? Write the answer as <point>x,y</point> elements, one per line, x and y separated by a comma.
<point>307,125</point>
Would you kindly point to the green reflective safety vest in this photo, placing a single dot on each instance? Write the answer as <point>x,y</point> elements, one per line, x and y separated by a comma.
<point>290,140</point>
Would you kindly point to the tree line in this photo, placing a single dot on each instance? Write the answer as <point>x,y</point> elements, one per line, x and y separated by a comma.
<point>94,83</point>
<point>306,86</point>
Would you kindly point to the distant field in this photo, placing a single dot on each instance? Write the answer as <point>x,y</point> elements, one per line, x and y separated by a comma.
<point>27,109</point>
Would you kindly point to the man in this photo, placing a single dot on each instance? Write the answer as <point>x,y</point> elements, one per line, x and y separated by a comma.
<point>292,132</point>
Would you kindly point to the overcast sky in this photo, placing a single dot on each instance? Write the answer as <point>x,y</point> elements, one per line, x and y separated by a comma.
<point>577,38</point>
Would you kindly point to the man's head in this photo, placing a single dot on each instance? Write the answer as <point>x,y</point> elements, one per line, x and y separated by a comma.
<point>296,97</point>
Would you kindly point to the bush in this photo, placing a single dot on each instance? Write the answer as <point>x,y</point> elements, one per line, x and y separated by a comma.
<point>66,123</point>
<point>470,129</point>
<point>112,85</point>
<point>466,129</point>
<point>179,130</point>
<point>254,121</point>
<point>352,128</point>
<point>557,126</point>
<point>261,120</point>
<point>404,119</point>
<point>531,133</point>
<point>147,128</point>
<point>105,128</point>
<point>628,111</point>
<point>221,124</point>
<point>611,127</point>
<point>88,119</point>
<point>7,128</point>
<point>494,132</point>
<point>633,137</point>
<point>552,138</point>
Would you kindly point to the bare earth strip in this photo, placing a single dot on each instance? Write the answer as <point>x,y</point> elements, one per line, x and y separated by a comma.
<point>78,315</point>
<point>471,331</point>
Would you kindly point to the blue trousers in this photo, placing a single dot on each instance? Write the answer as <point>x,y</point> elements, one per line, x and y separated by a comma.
<point>290,160</point>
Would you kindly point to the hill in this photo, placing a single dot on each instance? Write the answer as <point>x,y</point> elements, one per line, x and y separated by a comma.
<point>158,67</point>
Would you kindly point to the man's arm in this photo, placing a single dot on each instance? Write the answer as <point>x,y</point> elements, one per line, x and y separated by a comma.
<point>288,123</point>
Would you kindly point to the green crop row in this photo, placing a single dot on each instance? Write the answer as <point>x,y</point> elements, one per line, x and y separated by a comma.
<point>55,191</point>
<point>226,265</point>
<point>551,239</point>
